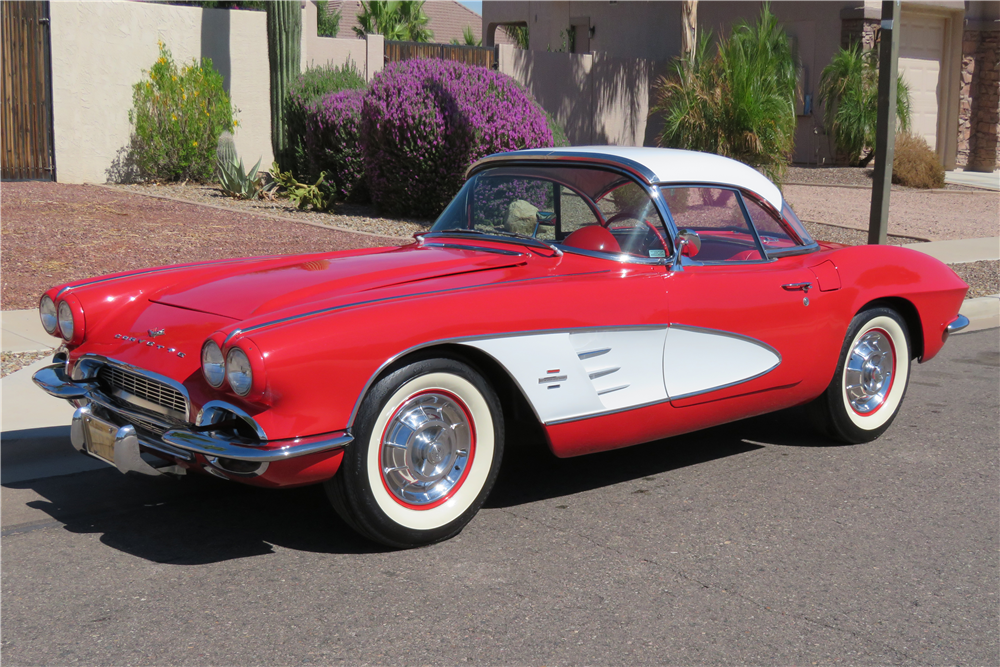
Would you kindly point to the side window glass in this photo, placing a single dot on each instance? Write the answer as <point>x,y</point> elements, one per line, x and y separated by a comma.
<point>513,204</point>
<point>772,233</point>
<point>715,214</point>
<point>574,211</point>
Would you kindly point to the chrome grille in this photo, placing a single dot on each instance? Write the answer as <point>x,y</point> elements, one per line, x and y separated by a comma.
<point>113,377</point>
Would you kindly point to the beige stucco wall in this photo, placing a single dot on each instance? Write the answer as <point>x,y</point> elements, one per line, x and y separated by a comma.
<point>649,33</point>
<point>99,50</point>
<point>367,55</point>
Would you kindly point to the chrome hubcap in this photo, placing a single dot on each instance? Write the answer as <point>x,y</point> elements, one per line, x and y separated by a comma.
<point>426,448</point>
<point>869,372</point>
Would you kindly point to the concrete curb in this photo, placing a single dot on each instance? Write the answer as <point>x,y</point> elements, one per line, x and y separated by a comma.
<point>983,313</point>
<point>960,251</point>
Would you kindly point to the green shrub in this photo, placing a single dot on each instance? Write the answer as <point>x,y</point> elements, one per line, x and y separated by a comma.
<point>740,103</point>
<point>848,89</point>
<point>558,133</point>
<point>177,116</point>
<point>312,86</point>
<point>915,164</point>
<point>327,23</point>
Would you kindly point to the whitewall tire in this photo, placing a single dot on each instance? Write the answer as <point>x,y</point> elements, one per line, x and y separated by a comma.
<point>427,450</point>
<point>870,381</point>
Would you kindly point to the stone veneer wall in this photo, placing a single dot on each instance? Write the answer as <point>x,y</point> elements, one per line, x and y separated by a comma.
<point>979,115</point>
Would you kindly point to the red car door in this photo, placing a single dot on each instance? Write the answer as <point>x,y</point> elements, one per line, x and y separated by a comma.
<point>740,323</point>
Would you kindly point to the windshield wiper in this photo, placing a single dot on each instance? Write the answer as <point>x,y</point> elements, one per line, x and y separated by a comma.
<point>529,240</point>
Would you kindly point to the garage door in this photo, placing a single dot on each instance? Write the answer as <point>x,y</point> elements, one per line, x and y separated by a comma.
<point>921,52</point>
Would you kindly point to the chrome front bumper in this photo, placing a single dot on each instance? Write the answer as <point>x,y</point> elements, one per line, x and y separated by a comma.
<point>178,443</point>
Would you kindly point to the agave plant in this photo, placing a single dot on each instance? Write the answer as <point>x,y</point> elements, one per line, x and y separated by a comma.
<point>236,181</point>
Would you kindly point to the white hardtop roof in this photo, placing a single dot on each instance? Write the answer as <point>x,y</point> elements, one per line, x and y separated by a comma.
<point>671,165</point>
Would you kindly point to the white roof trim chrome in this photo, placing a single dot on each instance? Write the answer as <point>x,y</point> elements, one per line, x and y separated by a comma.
<point>660,165</point>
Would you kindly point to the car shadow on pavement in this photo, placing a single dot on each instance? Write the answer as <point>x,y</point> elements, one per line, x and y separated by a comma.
<point>198,520</point>
<point>190,521</point>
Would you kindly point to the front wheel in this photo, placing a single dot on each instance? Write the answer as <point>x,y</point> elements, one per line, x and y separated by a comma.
<point>427,450</point>
<point>872,373</point>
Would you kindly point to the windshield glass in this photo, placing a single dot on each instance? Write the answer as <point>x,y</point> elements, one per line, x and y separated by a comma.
<point>583,209</point>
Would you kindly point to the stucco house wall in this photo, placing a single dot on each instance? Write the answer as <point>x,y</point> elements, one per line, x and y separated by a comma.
<point>650,32</point>
<point>99,50</point>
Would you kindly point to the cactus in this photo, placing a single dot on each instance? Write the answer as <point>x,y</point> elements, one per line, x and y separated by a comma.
<point>226,150</point>
<point>284,35</point>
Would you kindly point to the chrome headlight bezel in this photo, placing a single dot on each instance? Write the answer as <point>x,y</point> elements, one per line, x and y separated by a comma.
<point>64,317</point>
<point>239,373</point>
<point>213,364</point>
<point>49,315</point>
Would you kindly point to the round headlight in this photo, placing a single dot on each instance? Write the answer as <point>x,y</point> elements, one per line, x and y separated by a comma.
<point>213,363</point>
<point>47,311</point>
<point>65,321</point>
<point>238,371</point>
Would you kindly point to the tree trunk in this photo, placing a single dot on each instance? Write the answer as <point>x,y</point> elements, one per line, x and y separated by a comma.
<point>284,48</point>
<point>689,29</point>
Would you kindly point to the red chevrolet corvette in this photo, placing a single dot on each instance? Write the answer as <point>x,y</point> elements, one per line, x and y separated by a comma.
<point>602,296</point>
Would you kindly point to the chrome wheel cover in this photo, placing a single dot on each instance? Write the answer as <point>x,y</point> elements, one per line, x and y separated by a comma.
<point>426,448</point>
<point>869,372</point>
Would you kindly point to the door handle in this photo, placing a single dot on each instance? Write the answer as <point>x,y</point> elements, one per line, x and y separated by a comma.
<point>793,287</point>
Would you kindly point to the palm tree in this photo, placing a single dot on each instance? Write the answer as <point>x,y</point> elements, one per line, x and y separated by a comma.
<point>469,36</point>
<point>396,20</point>
<point>414,21</point>
<point>848,89</point>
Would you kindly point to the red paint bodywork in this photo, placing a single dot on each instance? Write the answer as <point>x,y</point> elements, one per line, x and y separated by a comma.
<point>329,323</point>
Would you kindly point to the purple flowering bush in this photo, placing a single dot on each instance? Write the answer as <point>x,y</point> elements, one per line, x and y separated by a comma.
<point>423,122</point>
<point>331,143</point>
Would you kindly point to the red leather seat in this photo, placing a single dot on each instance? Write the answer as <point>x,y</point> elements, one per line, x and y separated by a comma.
<point>593,237</point>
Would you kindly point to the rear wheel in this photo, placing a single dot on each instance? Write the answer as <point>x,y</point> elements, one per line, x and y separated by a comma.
<point>427,450</point>
<point>871,378</point>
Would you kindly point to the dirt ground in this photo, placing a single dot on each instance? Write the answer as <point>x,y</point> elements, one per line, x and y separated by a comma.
<point>51,233</point>
<point>936,215</point>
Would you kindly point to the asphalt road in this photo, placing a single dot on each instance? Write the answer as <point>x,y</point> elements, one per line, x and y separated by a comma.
<point>751,543</point>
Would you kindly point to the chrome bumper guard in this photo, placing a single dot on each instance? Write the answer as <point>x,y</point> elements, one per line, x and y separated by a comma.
<point>179,443</point>
<point>956,325</point>
<point>128,458</point>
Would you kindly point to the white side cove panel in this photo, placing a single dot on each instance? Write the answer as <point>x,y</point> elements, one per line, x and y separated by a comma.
<point>571,375</point>
<point>699,360</point>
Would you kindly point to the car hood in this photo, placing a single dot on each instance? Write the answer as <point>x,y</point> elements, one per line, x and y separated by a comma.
<point>263,286</point>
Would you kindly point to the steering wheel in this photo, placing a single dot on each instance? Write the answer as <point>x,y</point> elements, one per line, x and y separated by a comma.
<point>647,243</point>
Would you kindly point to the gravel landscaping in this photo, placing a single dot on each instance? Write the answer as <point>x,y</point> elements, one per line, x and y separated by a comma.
<point>15,361</point>
<point>54,233</point>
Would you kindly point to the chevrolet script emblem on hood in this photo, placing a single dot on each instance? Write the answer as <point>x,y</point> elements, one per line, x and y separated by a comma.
<point>149,343</point>
<point>153,333</point>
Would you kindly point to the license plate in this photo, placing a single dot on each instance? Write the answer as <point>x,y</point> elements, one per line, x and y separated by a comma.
<point>100,438</point>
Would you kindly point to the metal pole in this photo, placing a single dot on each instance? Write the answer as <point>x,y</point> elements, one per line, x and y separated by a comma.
<point>885,126</point>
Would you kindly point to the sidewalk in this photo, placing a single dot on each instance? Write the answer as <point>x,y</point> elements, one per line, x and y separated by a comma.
<point>976,179</point>
<point>35,426</point>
